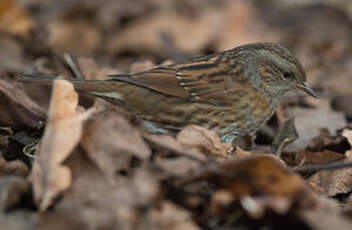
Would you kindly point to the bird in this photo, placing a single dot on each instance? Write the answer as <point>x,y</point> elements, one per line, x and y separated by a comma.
<point>232,92</point>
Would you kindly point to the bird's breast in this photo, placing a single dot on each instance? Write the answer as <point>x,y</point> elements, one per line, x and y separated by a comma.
<point>250,111</point>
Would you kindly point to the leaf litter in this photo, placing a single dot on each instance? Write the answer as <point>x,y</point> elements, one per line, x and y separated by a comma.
<point>93,168</point>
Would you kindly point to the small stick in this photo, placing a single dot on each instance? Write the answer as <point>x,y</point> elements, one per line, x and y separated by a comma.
<point>72,65</point>
<point>318,167</point>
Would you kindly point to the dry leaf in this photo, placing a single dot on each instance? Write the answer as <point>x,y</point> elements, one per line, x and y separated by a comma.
<point>261,184</point>
<point>248,26</point>
<point>14,168</point>
<point>12,190</point>
<point>20,107</point>
<point>310,121</point>
<point>62,134</point>
<point>170,216</point>
<point>80,36</point>
<point>257,175</point>
<point>93,201</point>
<point>203,139</point>
<point>19,220</point>
<point>257,207</point>
<point>337,181</point>
<point>92,70</point>
<point>334,182</point>
<point>348,134</point>
<point>173,157</point>
<point>11,54</point>
<point>140,66</point>
<point>14,19</point>
<point>325,215</point>
<point>327,141</point>
<point>200,32</point>
<point>169,145</point>
<point>323,157</point>
<point>112,143</point>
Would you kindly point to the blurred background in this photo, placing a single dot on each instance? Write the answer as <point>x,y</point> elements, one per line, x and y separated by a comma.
<point>111,36</point>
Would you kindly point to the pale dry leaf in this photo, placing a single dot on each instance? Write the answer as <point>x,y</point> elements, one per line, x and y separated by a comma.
<point>309,122</point>
<point>62,134</point>
<point>205,140</point>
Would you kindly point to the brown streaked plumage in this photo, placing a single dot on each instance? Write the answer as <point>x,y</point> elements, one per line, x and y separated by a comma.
<point>233,92</point>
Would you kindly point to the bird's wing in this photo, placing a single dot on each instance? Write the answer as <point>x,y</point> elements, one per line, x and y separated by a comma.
<point>205,79</point>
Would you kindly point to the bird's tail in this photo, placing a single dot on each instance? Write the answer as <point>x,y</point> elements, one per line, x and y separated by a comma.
<point>90,86</point>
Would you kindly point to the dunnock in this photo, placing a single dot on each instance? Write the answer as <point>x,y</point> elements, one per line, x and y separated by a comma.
<point>233,92</point>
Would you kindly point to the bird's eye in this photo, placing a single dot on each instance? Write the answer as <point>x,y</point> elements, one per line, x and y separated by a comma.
<point>288,75</point>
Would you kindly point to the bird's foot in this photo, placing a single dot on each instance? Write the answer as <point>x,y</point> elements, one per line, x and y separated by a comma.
<point>244,142</point>
<point>149,127</point>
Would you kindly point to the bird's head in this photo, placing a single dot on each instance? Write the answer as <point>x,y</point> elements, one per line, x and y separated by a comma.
<point>279,70</point>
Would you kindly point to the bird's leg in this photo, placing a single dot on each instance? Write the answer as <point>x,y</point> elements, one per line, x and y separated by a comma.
<point>229,138</point>
<point>149,127</point>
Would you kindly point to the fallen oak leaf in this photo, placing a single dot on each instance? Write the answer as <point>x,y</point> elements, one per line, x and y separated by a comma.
<point>62,134</point>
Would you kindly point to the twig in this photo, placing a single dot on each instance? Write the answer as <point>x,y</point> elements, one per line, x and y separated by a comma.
<point>72,66</point>
<point>318,167</point>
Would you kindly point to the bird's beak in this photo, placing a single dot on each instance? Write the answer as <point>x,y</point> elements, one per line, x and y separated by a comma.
<point>306,88</point>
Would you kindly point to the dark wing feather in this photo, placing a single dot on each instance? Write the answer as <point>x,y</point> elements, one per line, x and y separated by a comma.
<point>204,79</point>
<point>160,79</point>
